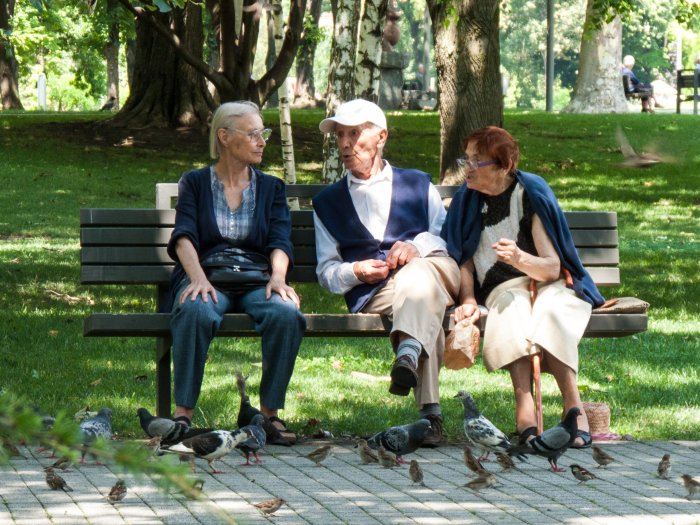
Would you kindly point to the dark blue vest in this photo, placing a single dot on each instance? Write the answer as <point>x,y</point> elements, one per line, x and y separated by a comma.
<point>407,218</point>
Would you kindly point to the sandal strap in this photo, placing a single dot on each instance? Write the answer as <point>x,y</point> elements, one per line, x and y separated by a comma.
<point>275,419</point>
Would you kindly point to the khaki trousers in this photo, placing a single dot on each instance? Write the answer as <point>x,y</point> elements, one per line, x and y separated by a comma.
<point>416,297</point>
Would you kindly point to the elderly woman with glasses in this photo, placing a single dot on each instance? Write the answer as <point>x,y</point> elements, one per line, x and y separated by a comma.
<point>231,204</point>
<point>508,234</point>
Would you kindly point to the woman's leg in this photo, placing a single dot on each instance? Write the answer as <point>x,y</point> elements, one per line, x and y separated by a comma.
<point>193,325</point>
<point>521,376</point>
<point>281,325</point>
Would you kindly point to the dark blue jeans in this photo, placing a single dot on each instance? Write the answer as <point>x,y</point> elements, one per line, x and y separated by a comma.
<point>194,323</point>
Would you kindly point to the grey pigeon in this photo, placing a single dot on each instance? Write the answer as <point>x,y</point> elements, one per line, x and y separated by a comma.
<point>480,432</point>
<point>210,446</point>
<point>253,438</point>
<point>553,442</point>
<point>170,431</point>
<point>401,440</point>
<point>99,426</point>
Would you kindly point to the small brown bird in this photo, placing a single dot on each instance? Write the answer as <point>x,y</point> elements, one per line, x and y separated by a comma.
<point>482,481</point>
<point>320,455</point>
<point>153,444</point>
<point>505,461</point>
<point>582,474</point>
<point>118,491</point>
<point>64,463</point>
<point>664,468</point>
<point>691,484</point>
<point>601,457</point>
<point>471,462</point>
<point>367,455</point>
<point>387,459</point>
<point>11,449</point>
<point>270,506</point>
<point>416,472</point>
<point>54,481</point>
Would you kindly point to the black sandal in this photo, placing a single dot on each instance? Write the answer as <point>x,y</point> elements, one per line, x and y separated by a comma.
<point>523,437</point>
<point>283,436</point>
<point>586,437</point>
<point>184,421</point>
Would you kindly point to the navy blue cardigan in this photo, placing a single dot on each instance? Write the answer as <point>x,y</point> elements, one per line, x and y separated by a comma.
<point>462,230</point>
<point>194,219</point>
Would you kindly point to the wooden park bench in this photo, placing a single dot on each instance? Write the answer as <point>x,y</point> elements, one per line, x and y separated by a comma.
<point>687,79</point>
<point>128,246</point>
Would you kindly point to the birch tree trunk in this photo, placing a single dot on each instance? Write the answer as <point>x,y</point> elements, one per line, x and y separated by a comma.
<point>369,50</point>
<point>598,83</point>
<point>341,81</point>
<point>467,59</point>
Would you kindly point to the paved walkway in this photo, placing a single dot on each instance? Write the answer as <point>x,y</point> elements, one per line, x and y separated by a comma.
<point>628,491</point>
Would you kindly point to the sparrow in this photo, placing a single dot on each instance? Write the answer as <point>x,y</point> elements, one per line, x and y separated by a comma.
<point>367,455</point>
<point>482,481</point>
<point>416,472</point>
<point>691,484</point>
<point>270,506</point>
<point>194,490</point>
<point>62,463</point>
<point>11,449</point>
<point>471,462</point>
<point>664,468</point>
<point>320,455</point>
<point>601,457</point>
<point>153,444</point>
<point>480,432</point>
<point>505,461</point>
<point>54,481</point>
<point>118,491</point>
<point>387,459</point>
<point>582,474</point>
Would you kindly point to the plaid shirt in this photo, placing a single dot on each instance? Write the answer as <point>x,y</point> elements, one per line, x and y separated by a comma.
<point>234,225</point>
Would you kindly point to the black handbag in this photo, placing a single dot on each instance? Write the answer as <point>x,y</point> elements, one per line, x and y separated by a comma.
<point>236,270</point>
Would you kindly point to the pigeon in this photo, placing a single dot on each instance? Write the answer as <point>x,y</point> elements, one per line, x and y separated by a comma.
<point>691,484</point>
<point>320,454</point>
<point>553,442</point>
<point>416,472</point>
<point>505,461</point>
<point>98,426</point>
<point>471,462</point>
<point>270,506</point>
<point>582,474</point>
<point>247,412</point>
<point>118,491</point>
<point>63,463</point>
<point>367,455</point>
<point>482,481</point>
<point>632,158</point>
<point>401,440</point>
<point>170,431</point>
<point>480,432</point>
<point>664,468</point>
<point>253,438</point>
<point>210,446</point>
<point>387,459</point>
<point>54,481</point>
<point>601,457</point>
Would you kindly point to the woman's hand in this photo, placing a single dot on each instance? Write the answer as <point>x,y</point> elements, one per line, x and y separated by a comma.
<point>507,251</point>
<point>278,284</point>
<point>467,311</point>
<point>199,287</point>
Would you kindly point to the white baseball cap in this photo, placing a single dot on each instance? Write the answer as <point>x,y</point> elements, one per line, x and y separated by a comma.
<point>354,113</point>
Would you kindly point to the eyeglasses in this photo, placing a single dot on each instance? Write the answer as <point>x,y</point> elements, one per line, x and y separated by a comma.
<point>256,134</point>
<point>464,162</point>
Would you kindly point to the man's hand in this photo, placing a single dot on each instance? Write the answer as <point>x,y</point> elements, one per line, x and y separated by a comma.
<point>401,253</point>
<point>467,311</point>
<point>371,270</point>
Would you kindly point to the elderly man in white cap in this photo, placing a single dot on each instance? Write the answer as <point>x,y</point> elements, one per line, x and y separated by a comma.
<point>378,243</point>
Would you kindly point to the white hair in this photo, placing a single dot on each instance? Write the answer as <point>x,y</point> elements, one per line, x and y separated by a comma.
<point>225,117</point>
<point>628,61</point>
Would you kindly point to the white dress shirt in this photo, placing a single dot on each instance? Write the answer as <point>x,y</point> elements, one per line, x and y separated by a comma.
<point>372,200</point>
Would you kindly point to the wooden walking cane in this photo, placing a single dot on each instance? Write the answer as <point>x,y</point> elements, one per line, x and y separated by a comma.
<point>539,418</point>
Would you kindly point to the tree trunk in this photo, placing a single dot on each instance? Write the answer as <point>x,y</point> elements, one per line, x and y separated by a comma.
<point>166,91</point>
<point>469,81</point>
<point>340,78</point>
<point>305,90</point>
<point>9,92</point>
<point>369,50</point>
<point>274,17</point>
<point>112,55</point>
<point>598,84</point>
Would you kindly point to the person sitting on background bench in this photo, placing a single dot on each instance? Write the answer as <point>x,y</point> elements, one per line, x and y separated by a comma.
<point>232,204</point>
<point>507,232</point>
<point>645,91</point>
<point>378,243</point>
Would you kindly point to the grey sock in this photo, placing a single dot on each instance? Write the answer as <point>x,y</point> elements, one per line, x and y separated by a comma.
<point>430,409</point>
<point>410,348</point>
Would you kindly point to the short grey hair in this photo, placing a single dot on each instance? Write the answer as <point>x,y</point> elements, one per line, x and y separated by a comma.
<point>226,116</point>
<point>628,61</point>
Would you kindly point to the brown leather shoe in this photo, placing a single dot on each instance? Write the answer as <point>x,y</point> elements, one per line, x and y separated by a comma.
<point>434,436</point>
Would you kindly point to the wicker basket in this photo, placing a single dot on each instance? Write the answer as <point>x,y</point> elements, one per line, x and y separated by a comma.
<point>598,417</point>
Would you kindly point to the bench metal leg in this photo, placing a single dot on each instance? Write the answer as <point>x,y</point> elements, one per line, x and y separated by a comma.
<point>163,346</point>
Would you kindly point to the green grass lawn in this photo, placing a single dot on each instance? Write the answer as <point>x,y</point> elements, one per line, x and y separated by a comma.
<point>55,164</point>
